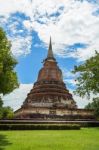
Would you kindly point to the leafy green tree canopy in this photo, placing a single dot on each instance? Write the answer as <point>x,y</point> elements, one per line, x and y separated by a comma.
<point>88,79</point>
<point>5,112</point>
<point>1,103</point>
<point>8,77</point>
<point>94,105</point>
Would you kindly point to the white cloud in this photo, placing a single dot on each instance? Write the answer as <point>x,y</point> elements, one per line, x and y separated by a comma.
<point>21,45</point>
<point>20,38</point>
<point>69,77</point>
<point>67,21</point>
<point>70,81</point>
<point>11,6</point>
<point>81,102</point>
<point>68,73</point>
<point>16,98</point>
<point>75,25</point>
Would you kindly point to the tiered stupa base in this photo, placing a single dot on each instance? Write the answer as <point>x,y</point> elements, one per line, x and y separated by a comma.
<point>41,113</point>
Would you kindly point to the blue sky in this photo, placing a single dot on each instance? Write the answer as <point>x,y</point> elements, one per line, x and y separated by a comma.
<point>73,26</point>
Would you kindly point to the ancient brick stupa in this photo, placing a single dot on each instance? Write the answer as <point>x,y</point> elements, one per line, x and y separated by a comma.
<point>49,98</point>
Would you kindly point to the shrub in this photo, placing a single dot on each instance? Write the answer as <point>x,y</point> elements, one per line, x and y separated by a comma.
<point>39,127</point>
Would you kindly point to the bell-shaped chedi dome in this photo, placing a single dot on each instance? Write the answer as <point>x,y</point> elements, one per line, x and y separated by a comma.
<point>49,91</point>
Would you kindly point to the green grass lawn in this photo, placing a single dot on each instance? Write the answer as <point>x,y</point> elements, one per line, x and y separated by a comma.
<point>84,139</point>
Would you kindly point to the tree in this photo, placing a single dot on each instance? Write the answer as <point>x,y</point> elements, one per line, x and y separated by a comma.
<point>8,77</point>
<point>1,103</point>
<point>7,113</point>
<point>94,105</point>
<point>88,79</point>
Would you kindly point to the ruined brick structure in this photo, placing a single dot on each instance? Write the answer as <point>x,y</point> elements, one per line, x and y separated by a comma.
<point>49,98</point>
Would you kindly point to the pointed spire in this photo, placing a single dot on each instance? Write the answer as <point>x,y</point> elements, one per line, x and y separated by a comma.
<point>50,52</point>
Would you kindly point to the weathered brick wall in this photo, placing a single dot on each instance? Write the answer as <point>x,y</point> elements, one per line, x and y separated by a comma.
<point>58,112</point>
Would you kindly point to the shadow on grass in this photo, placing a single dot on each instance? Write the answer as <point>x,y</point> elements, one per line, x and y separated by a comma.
<point>3,142</point>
